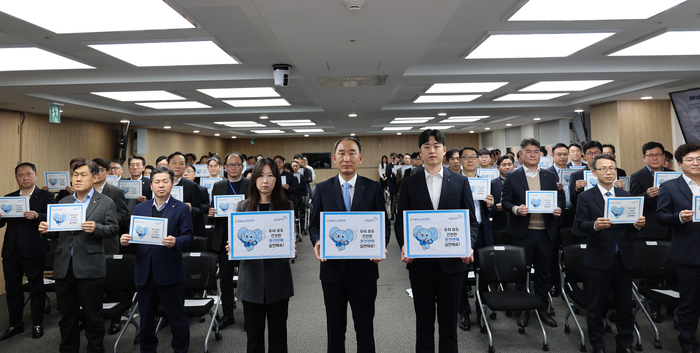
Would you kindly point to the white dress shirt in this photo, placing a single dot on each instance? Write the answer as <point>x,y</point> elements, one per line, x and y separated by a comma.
<point>434,184</point>
<point>352,185</point>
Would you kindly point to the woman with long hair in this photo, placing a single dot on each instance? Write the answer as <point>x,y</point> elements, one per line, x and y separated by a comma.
<point>382,174</point>
<point>265,286</point>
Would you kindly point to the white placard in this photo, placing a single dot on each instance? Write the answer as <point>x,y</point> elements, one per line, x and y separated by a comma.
<point>64,217</point>
<point>261,235</point>
<point>546,162</point>
<point>112,180</point>
<point>591,180</point>
<point>565,176</point>
<point>481,187</point>
<point>177,192</point>
<point>541,201</point>
<point>488,173</point>
<point>208,183</point>
<point>662,177</point>
<point>201,170</point>
<point>226,204</point>
<point>624,209</point>
<point>437,234</point>
<point>352,235</point>
<point>57,180</point>
<point>131,188</point>
<point>696,207</point>
<point>14,207</point>
<point>284,179</point>
<point>403,168</point>
<point>626,181</point>
<point>148,230</point>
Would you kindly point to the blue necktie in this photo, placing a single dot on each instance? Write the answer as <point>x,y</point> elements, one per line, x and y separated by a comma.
<point>346,196</point>
<point>617,249</point>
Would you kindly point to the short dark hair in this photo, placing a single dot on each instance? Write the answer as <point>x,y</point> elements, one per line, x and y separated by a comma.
<point>261,156</point>
<point>651,145</point>
<point>191,155</point>
<point>288,166</point>
<point>575,145</point>
<point>592,144</point>
<point>425,137</point>
<point>94,169</point>
<point>461,151</point>
<point>503,158</point>
<point>148,167</point>
<point>483,151</point>
<point>244,157</point>
<point>215,159</point>
<point>293,161</point>
<point>234,153</point>
<point>686,148</point>
<point>668,155</point>
<point>452,151</point>
<point>415,155</point>
<point>603,156</point>
<point>297,156</point>
<point>351,138</point>
<point>610,146</point>
<point>25,164</point>
<point>176,153</point>
<point>118,161</point>
<point>161,158</point>
<point>136,156</point>
<point>510,152</point>
<point>163,170</point>
<point>543,149</point>
<point>205,158</point>
<point>529,141</point>
<point>74,160</point>
<point>560,145</point>
<point>251,157</point>
<point>101,162</point>
<point>280,157</point>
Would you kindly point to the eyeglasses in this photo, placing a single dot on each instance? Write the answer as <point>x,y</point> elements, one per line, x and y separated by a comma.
<point>654,156</point>
<point>115,168</point>
<point>534,152</point>
<point>102,170</point>
<point>469,158</point>
<point>607,169</point>
<point>279,162</point>
<point>454,159</point>
<point>233,165</point>
<point>591,153</point>
<point>691,160</point>
<point>135,165</point>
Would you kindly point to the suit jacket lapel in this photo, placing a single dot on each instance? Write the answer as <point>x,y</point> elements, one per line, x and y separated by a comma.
<point>446,183</point>
<point>685,189</point>
<point>521,176</point>
<point>93,204</point>
<point>359,192</point>
<point>168,209</point>
<point>599,200</point>
<point>423,187</point>
<point>338,194</point>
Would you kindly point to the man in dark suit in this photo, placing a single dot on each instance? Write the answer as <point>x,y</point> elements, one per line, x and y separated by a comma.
<point>675,210</point>
<point>504,164</point>
<point>436,281</point>
<point>69,189</point>
<point>303,177</point>
<point>117,196</point>
<point>416,163</point>
<point>348,281</point>
<point>577,183</point>
<point>79,266</point>
<point>560,154</point>
<point>610,257</point>
<point>190,192</point>
<point>609,149</point>
<point>136,165</point>
<point>575,156</point>
<point>535,232</point>
<point>234,184</point>
<point>23,252</point>
<point>160,272</point>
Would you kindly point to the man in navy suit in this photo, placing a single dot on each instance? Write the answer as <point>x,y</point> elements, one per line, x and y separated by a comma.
<point>348,281</point>
<point>560,154</point>
<point>675,210</point>
<point>504,164</point>
<point>136,165</point>
<point>160,271</point>
<point>436,281</point>
<point>190,192</point>
<point>610,257</point>
<point>535,232</point>
<point>577,183</point>
<point>642,184</point>
<point>23,252</point>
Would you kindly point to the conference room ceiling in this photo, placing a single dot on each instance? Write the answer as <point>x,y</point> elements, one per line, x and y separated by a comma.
<point>374,62</point>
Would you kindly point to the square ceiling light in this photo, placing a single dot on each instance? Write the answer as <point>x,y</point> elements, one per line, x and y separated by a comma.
<point>167,53</point>
<point>244,103</point>
<point>529,96</point>
<point>302,122</point>
<point>564,86</point>
<point>250,92</point>
<point>436,127</point>
<point>397,128</point>
<point>464,119</point>
<point>455,98</point>
<point>239,124</point>
<point>28,59</point>
<point>553,45</point>
<point>665,44</point>
<point>268,131</point>
<point>139,96</point>
<point>84,16</point>
<point>174,105</point>
<point>591,10</point>
<point>411,120</point>
<point>475,87</point>
<point>308,130</point>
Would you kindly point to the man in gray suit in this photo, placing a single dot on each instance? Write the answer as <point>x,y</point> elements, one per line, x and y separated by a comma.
<point>117,196</point>
<point>79,267</point>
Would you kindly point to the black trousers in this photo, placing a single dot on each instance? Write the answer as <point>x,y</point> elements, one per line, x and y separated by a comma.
<point>538,251</point>
<point>14,267</point>
<point>172,297</point>
<point>429,289</point>
<point>600,282</point>
<point>361,297</point>
<point>301,210</point>
<point>226,270</point>
<point>689,307</point>
<point>464,307</point>
<point>71,294</point>
<point>276,314</point>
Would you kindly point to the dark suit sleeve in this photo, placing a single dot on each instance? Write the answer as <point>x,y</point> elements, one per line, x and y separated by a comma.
<point>583,217</point>
<point>665,214</point>
<point>402,205</point>
<point>186,230</point>
<point>204,195</point>
<point>123,215</point>
<point>636,188</point>
<point>507,196</point>
<point>317,208</point>
<point>293,184</point>
<point>49,200</point>
<point>196,201</point>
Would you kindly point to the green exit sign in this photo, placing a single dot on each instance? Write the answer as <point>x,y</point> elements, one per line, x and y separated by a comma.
<point>252,141</point>
<point>55,113</point>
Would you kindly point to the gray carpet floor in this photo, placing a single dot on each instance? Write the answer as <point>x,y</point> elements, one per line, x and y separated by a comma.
<point>394,323</point>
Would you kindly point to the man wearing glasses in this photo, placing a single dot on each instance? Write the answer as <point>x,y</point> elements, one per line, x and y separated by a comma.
<point>577,184</point>
<point>136,166</point>
<point>235,184</point>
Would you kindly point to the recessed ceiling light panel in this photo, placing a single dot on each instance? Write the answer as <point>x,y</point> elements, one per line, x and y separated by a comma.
<point>167,53</point>
<point>252,92</point>
<point>239,124</point>
<point>555,45</point>
<point>302,122</point>
<point>268,131</point>
<point>475,87</point>
<point>529,96</point>
<point>436,127</point>
<point>463,98</point>
<point>308,130</point>
<point>245,103</point>
<point>665,44</point>
<point>27,59</point>
<point>591,10</point>
<point>174,105</point>
<point>139,96</point>
<point>397,128</point>
<point>564,86</point>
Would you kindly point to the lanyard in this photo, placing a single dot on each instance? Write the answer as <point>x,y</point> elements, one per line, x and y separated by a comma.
<point>232,189</point>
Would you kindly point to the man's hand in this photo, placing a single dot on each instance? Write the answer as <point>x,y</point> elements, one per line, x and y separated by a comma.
<point>687,216</point>
<point>469,259</point>
<point>228,248</point>
<point>190,206</point>
<point>386,252</point>
<point>653,191</point>
<point>560,186</point>
<point>522,210</point>
<point>124,239</point>
<point>169,241</point>
<point>141,199</point>
<point>489,201</point>
<point>30,215</point>
<point>557,212</point>
<point>620,184</point>
<point>500,207</point>
<point>405,259</point>
<point>88,227</point>
<point>602,223</point>
<point>580,185</point>
<point>43,227</point>
<point>641,221</point>
<point>45,188</point>
<point>285,186</point>
<point>70,189</point>
<point>212,212</point>
<point>317,251</point>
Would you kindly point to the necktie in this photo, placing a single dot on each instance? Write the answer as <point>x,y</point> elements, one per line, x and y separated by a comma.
<point>346,196</point>
<point>617,249</point>
<point>608,194</point>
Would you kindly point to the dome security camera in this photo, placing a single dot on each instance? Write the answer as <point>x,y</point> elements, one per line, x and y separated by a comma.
<point>280,73</point>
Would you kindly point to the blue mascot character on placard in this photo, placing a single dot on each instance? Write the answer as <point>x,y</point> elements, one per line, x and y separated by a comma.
<point>250,238</point>
<point>425,236</point>
<point>341,237</point>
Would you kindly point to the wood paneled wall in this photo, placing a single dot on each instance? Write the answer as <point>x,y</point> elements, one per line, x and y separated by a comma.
<point>630,124</point>
<point>10,145</point>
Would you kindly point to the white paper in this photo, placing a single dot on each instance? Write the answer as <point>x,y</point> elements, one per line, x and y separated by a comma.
<point>481,187</point>
<point>112,180</point>
<point>148,230</point>
<point>352,235</point>
<point>208,183</point>
<point>261,235</point>
<point>201,170</point>
<point>670,293</point>
<point>65,216</point>
<point>57,180</point>
<point>546,162</point>
<point>626,181</point>
<point>591,180</point>
<point>696,207</point>
<point>226,204</point>
<point>565,176</point>
<point>624,210</point>
<point>489,174</point>
<point>14,207</point>
<point>437,234</point>
<point>284,179</point>
<point>177,192</point>
<point>541,201</point>
<point>662,177</point>
<point>131,188</point>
